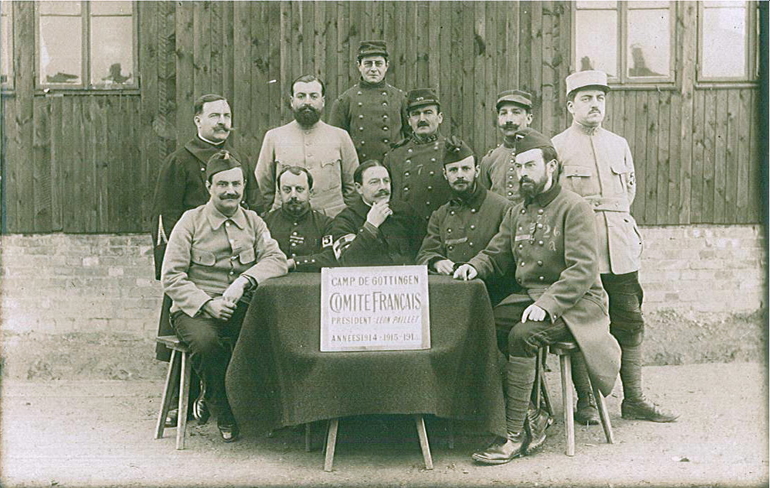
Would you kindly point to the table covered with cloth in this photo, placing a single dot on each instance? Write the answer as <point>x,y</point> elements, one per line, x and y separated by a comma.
<point>278,377</point>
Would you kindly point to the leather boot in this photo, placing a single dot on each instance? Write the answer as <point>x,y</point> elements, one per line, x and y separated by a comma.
<point>537,423</point>
<point>586,412</point>
<point>503,449</point>
<point>635,406</point>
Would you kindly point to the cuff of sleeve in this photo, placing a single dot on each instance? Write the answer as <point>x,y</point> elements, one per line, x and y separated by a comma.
<point>372,229</point>
<point>549,306</point>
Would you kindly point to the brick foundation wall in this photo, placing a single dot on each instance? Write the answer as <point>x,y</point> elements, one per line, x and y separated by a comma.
<point>61,283</point>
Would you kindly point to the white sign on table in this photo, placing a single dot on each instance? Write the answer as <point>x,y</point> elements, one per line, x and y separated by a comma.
<point>383,308</point>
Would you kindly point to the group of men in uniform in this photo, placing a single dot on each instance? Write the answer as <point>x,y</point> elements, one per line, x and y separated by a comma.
<point>544,222</point>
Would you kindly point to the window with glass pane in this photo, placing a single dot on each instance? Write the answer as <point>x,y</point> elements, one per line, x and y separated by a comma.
<point>724,40</point>
<point>630,41</point>
<point>6,45</point>
<point>86,44</point>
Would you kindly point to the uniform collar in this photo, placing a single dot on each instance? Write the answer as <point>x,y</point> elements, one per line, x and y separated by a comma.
<point>509,145</point>
<point>365,84</point>
<point>425,139</point>
<point>543,199</point>
<point>584,129</point>
<point>204,150</point>
<point>474,200</point>
<point>217,218</point>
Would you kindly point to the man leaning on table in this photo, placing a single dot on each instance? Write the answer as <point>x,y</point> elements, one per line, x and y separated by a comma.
<point>217,255</point>
<point>551,237</point>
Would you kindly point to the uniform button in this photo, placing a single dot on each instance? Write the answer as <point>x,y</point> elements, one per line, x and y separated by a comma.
<point>523,211</point>
<point>360,128</point>
<point>540,211</point>
<point>385,128</point>
<point>510,177</point>
<point>386,141</point>
<point>522,263</point>
<point>361,116</point>
<point>406,173</point>
<point>233,258</point>
<point>451,247</point>
<point>540,243</point>
<point>521,228</point>
<point>431,173</point>
<point>408,161</point>
<point>433,160</point>
<point>449,231</point>
<point>363,156</point>
<point>384,104</point>
<point>539,263</point>
<point>539,226</point>
<point>312,260</point>
<point>363,142</point>
<point>359,93</point>
<point>452,212</point>
<point>427,203</point>
<point>295,232</point>
<point>360,104</point>
<point>232,272</point>
<point>227,224</point>
<point>385,116</point>
<point>470,244</point>
<point>430,188</point>
<point>510,193</point>
<point>473,210</point>
<point>406,188</point>
<point>384,94</point>
<point>521,246</point>
<point>409,150</point>
<point>203,169</point>
<point>473,227</point>
<point>540,278</point>
<point>293,244</point>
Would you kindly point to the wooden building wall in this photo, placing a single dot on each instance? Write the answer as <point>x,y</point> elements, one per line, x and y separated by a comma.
<point>87,162</point>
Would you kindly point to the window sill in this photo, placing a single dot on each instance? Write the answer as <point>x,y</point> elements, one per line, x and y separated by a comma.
<point>724,85</point>
<point>668,86</point>
<point>52,92</point>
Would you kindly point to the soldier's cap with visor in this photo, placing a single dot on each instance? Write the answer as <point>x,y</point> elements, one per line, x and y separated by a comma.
<point>517,97</point>
<point>221,161</point>
<point>421,97</point>
<point>587,79</point>
<point>372,48</point>
<point>455,149</point>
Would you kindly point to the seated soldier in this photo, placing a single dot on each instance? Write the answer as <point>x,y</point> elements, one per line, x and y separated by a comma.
<point>373,231</point>
<point>302,233</point>
<point>551,236</point>
<point>216,255</point>
<point>465,224</point>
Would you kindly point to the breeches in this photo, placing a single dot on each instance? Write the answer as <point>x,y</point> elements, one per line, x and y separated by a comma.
<point>518,339</point>
<point>626,296</point>
<point>210,342</point>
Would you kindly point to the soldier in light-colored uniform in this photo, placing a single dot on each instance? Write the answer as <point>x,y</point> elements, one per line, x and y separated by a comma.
<point>598,166</point>
<point>373,112</point>
<point>514,112</point>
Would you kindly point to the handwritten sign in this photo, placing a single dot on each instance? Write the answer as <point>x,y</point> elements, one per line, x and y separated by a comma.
<point>382,308</point>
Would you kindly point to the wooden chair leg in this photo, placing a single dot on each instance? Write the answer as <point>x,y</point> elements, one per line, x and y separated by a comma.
<point>308,438</point>
<point>331,443</point>
<point>424,445</point>
<point>566,391</point>
<point>546,395</point>
<point>603,415</point>
<point>184,393</point>
<point>165,401</point>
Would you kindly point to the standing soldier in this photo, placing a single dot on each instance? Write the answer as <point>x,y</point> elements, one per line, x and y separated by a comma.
<point>373,112</point>
<point>598,165</point>
<point>415,163</point>
<point>514,112</point>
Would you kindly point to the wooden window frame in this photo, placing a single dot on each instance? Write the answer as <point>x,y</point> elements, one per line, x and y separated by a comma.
<point>85,75</point>
<point>10,84</point>
<point>751,76</point>
<point>623,80</point>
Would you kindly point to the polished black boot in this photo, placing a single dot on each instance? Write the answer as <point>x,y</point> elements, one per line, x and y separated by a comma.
<point>635,406</point>
<point>503,449</point>
<point>537,423</point>
<point>586,412</point>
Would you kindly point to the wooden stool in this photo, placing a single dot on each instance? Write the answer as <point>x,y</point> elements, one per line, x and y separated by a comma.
<point>179,354</point>
<point>331,442</point>
<point>564,350</point>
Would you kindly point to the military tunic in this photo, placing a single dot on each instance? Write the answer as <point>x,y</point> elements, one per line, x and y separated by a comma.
<point>496,173</point>
<point>395,242</point>
<point>416,170</point>
<point>325,151</point>
<point>305,238</point>
<point>552,240</point>
<point>374,114</point>
<point>597,165</point>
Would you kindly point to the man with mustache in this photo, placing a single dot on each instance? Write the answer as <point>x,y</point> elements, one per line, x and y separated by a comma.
<point>302,233</point>
<point>217,254</point>
<point>598,166</point>
<point>467,222</point>
<point>373,112</point>
<point>415,163</point>
<point>308,142</point>
<point>373,230</point>
<point>551,238</point>
<point>514,112</point>
<point>181,186</point>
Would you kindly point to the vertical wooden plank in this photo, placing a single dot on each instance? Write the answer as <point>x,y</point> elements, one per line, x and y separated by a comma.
<point>468,77</point>
<point>698,150</point>
<point>486,98</point>
<point>328,17</point>
<point>243,116</point>
<point>284,51</point>
<point>105,199</point>
<point>185,72</point>
<point>650,166</point>
<point>307,22</point>
<point>478,76</point>
<point>149,55</point>
<point>41,167</point>
<point>447,80</point>
<point>757,191</point>
<point>640,156</point>
<point>422,32</point>
<point>720,165</point>
<point>526,62</point>
<point>228,50</point>
<point>709,159</point>
<point>678,135</point>
<point>434,38</point>
<point>662,160</point>
<point>343,46</point>
<point>217,42</point>
<point>391,35</point>
<point>536,55</point>
<point>356,36</point>
<point>71,213</point>
<point>319,44</point>
<point>687,32</point>
<point>742,158</point>
<point>454,124</point>
<point>548,71</point>
<point>732,162</point>
<point>202,32</point>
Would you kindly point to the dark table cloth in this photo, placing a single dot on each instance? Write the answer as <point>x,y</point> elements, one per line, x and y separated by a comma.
<point>278,376</point>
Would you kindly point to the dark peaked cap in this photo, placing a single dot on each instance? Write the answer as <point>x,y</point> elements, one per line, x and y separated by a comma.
<point>527,139</point>
<point>420,97</point>
<point>372,48</point>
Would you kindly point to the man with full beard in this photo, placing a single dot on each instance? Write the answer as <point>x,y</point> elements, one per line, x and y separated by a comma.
<point>465,224</point>
<point>302,233</point>
<point>326,152</point>
<point>514,112</point>
<point>551,236</point>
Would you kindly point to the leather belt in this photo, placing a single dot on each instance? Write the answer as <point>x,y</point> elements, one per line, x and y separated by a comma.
<point>608,204</point>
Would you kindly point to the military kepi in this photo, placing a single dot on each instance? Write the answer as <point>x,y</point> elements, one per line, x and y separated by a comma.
<point>221,161</point>
<point>455,150</point>
<point>372,48</point>
<point>527,139</point>
<point>518,97</point>
<point>421,96</point>
<point>587,79</point>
